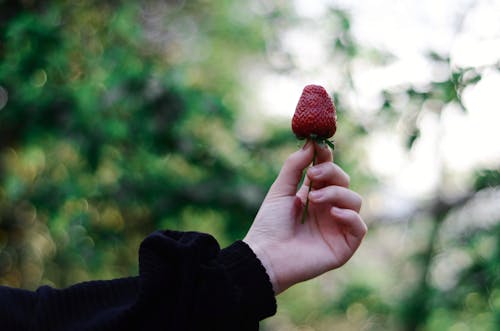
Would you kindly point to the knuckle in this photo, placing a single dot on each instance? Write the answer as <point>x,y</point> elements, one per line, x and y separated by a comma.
<point>340,173</point>
<point>359,199</point>
<point>347,179</point>
<point>364,228</point>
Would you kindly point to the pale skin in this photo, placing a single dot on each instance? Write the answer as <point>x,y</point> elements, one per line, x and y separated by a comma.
<point>293,252</point>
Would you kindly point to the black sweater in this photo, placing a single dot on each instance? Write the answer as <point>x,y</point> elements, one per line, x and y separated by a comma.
<point>186,282</point>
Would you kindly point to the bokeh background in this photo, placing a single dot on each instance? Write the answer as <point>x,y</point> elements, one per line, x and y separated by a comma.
<point>119,118</point>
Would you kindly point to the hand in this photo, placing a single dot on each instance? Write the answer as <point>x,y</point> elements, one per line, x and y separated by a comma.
<point>293,252</point>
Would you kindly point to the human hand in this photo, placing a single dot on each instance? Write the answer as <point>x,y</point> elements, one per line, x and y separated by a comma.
<point>293,252</point>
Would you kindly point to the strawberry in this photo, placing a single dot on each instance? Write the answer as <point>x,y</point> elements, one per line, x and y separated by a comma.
<point>315,116</point>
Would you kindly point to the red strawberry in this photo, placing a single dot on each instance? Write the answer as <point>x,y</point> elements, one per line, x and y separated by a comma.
<point>315,116</point>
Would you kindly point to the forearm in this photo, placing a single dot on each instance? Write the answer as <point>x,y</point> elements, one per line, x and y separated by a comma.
<point>79,307</point>
<point>185,283</point>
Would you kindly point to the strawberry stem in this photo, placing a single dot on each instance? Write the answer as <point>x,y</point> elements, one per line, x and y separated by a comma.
<point>304,213</point>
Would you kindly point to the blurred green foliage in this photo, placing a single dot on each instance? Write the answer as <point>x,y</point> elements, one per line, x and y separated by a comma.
<point>105,137</point>
<point>117,119</point>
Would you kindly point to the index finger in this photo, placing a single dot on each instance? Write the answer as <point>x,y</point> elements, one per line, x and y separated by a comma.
<point>323,153</point>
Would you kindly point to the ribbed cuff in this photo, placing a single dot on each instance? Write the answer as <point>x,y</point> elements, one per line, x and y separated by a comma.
<point>249,275</point>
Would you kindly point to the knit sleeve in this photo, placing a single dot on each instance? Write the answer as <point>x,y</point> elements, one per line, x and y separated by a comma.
<point>186,282</point>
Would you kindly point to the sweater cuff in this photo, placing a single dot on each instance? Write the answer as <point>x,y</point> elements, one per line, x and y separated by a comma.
<point>251,279</point>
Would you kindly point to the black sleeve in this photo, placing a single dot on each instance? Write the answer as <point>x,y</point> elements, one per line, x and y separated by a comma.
<point>185,283</point>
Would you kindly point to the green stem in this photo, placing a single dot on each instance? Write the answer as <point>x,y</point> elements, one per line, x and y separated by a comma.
<point>304,214</point>
<point>329,143</point>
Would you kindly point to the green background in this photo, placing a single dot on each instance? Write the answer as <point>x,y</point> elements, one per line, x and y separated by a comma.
<point>118,119</point>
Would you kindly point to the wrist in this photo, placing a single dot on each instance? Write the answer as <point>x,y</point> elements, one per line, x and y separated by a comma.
<point>249,277</point>
<point>266,261</point>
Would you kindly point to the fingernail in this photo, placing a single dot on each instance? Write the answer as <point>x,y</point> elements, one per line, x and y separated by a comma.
<point>316,195</point>
<point>314,171</point>
<point>306,144</point>
<point>337,211</point>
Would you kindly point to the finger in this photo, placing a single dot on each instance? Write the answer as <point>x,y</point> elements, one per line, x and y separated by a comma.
<point>337,196</point>
<point>352,222</point>
<point>291,173</point>
<point>327,173</point>
<point>304,188</point>
<point>302,192</point>
<point>323,156</point>
<point>323,153</point>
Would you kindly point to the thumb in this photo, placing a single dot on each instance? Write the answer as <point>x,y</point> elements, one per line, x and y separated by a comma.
<point>291,173</point>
